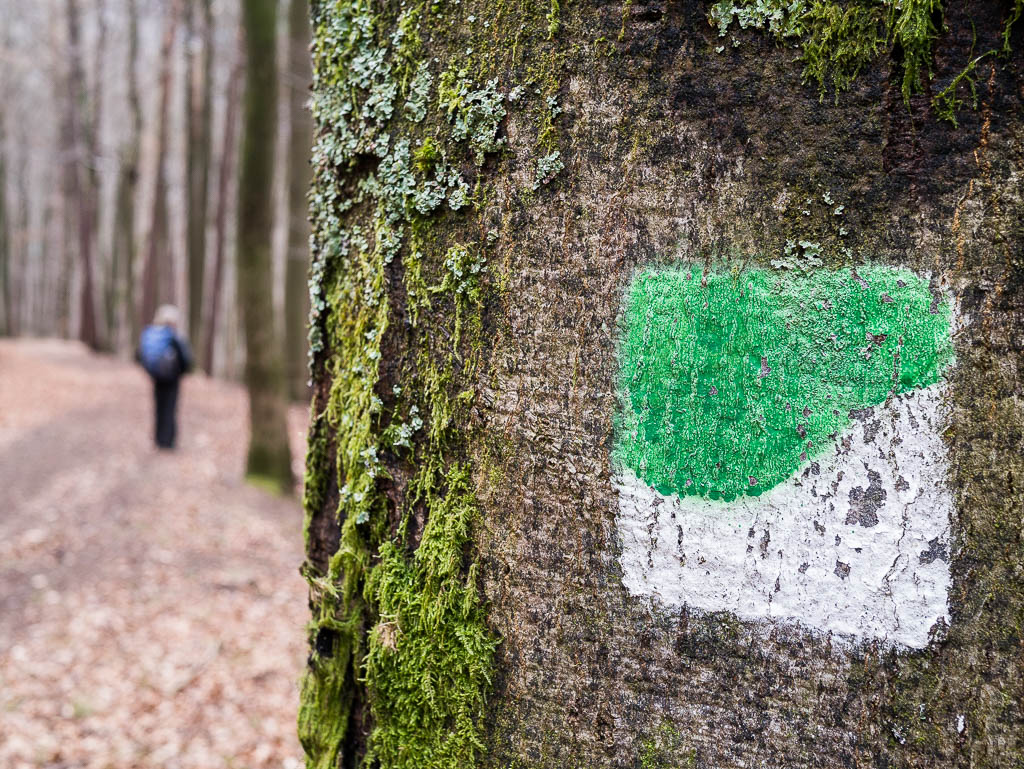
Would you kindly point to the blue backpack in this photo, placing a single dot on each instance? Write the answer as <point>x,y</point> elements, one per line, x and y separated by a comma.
<point>159,353</point>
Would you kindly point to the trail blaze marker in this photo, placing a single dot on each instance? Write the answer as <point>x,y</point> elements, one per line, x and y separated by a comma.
<point>777,448</point>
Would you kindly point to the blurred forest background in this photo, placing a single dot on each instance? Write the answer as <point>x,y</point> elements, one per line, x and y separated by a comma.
<point>151,152</point>
<point>121,127</point>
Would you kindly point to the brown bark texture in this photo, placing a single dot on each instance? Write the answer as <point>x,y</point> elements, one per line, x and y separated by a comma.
<point>678,149</point>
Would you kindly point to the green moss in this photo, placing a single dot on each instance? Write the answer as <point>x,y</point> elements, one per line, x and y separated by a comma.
<point>1015,14</point>
<point>401,654</point>
<point>427,155</point>
<point>463,271</point>
<point>839,40</point>
<point>268,483</point>
<point>666,750</point>
<point>627,5</point>
<point>912,27</point>
<point>270,467</point>
<point>430,654</point>
<point>552,19</point>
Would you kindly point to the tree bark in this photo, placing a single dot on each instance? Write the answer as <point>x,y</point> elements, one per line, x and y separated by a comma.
<point>224,177</point>
<point>158,271</point>
<point>121,282</point>
<point>198,110</point>
<point>7,323</point>
<point>269,454</point>
<point>300,142</point>
<point>550,238</point>
<point>81,176</point>
<point>94,136</point>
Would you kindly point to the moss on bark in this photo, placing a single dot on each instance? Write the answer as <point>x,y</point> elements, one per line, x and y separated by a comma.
<point>432,122</point>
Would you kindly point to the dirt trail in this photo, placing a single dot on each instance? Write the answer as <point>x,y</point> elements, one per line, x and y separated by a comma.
<point>151,612</point>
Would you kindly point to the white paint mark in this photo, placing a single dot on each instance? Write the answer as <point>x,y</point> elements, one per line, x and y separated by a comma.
<point>961,724</point>
<point>855,544</point>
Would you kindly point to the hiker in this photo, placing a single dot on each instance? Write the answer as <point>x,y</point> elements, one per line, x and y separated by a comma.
<point>166,356</point>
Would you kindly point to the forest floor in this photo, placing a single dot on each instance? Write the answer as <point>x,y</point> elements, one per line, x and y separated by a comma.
<point>151,609</point>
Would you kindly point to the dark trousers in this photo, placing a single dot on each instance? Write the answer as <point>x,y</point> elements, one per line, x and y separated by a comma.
<point>166,405</point>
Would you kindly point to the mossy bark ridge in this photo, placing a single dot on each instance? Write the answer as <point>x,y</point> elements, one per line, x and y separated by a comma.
<point>489,179</point>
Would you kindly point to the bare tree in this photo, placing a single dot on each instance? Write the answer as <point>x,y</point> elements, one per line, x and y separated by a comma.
<point>223,203</point>
<point>6,289</point>
<point>121,280</point>
<point>94,133</point>
<point>269,455</point>
<point>296,298</point>
<point>81,174</point>
<point>198,112</point>
<point>158,272</point>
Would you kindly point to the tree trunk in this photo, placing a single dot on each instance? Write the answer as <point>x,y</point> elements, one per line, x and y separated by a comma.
<point>269,455</point>
<point>121,283</point>
<point>22,249</point>
<point>225,175</point>
<point>296,298</point>
<point>81,176</point>
<point>158,271</point>
<point>198,110</point>
<point>665,413</point>
<point>94,136</point>
<point>6,289</point>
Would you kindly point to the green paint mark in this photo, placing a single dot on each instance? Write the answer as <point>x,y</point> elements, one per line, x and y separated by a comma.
<point>730,381</point>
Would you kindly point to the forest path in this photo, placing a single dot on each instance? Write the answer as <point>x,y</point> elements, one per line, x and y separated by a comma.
<point>151,610</point>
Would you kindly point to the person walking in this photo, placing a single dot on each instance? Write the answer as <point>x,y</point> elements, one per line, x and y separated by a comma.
<point>166,356</point>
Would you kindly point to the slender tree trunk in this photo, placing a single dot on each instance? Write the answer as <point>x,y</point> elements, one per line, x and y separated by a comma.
<point>46,321</point>
<point>24,247</point>
<point>65,259</point>
<point>94,134</point>
<point>665,413</point>
<point>296,298</point>
<point>81,175</point>
<point>269,455</point>
<point>6,288</point>
<point>198,110</point>
<point>121,281</point>
<point>224,178</point>
<point>158,272</point>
